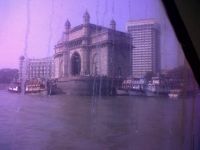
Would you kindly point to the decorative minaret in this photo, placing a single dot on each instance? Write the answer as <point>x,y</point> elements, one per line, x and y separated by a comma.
<point>65,60</point>
<point>21,65</point>
<point>85,44</point>
<point>67,25</point>
<point>67,29</point>
<point>86,18</point>
<point>113,24</point>
<point>86,21</point>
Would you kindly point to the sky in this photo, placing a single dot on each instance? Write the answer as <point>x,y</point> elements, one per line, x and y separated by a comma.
<point>46,24</point>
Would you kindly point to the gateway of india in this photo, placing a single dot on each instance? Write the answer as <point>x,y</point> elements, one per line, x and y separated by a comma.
<point>88,52</point>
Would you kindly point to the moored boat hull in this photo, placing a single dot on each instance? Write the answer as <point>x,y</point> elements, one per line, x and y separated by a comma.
<point>135,92</point>
<point>121,92</point>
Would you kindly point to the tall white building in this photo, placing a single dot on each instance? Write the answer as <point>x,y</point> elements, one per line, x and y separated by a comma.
<point>145,36</point>
<point>42,68</point>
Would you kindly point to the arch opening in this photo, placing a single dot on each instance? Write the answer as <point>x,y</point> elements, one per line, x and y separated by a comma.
<point>75,64</point>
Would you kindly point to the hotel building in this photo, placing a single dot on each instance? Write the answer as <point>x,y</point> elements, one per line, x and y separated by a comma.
<point>145,53</point>
<point>36,68</point>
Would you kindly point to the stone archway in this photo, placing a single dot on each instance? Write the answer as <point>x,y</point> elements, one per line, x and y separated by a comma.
<point>75,64</point>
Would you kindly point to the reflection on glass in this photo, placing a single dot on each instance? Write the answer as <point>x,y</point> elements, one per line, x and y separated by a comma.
<point>94,75</point>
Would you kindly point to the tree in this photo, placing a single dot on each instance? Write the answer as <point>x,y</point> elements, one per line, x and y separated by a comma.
<point>8,75</point>
<point>148,75</point>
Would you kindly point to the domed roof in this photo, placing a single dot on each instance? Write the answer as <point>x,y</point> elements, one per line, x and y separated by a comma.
<point>112,21</point>
<point>113,24</point>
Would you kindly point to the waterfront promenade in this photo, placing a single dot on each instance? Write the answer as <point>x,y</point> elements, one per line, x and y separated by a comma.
<point>96,123</point>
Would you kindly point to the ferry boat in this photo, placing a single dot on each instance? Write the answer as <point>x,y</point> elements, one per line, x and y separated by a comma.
<point>131,87</point>
<point>123,90</point>
<point>35,86</point>
<point>151,90</point>
<point>157,86</point>
<point>137,87</point>
<point>175,93</point>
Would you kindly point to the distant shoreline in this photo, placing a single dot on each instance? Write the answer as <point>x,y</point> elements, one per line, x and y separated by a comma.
<point>4,86</point>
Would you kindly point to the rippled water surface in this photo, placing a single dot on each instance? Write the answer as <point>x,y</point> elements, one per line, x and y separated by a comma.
<point>92,123</point>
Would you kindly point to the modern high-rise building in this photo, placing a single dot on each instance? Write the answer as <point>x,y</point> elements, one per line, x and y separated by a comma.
<point>145,37</point>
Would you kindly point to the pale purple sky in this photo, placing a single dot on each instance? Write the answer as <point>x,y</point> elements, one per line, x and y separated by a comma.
<point>44,34</point>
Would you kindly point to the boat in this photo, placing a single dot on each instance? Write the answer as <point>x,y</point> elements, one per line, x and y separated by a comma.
<point>35,86</point>
<point>132,87</point>
<point>33,89</point>
<point>136,90</point>
<point>175,93</point>
<point>14,87</point>
<point>157,86</point>
<point>121,92</point>
<point>151,90</point>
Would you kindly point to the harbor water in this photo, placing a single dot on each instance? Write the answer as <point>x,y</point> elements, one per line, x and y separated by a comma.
<point>60,122</point>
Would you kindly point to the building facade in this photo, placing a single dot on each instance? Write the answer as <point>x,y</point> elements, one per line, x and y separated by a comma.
<point>145,57</point>
<point>90,49</point>
<point>36,68</point>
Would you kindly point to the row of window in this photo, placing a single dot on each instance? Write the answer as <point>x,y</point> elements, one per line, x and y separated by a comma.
<point>39,70</point>
<point>142,39</point>
<point>141,70</point>
<point>141,54</point>
<point>141,27</point>
<point>145,48</point>
<point>142,58</point>
<point>39,74</point>
<point>40,64</point>
<point>144,34</point>
<point>141,65</point>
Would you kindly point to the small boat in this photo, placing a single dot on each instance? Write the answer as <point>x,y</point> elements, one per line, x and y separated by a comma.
<point>14,87</point>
